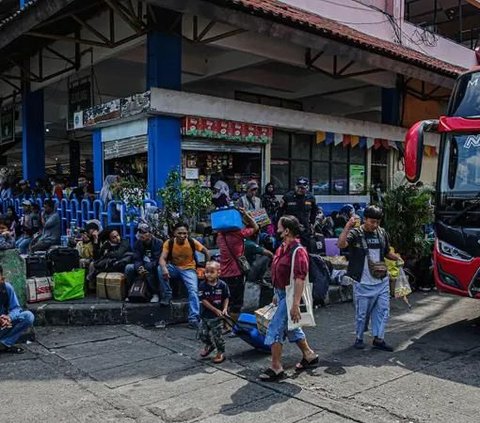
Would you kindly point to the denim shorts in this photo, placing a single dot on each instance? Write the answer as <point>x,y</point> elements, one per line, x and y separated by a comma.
<point>277,331</point>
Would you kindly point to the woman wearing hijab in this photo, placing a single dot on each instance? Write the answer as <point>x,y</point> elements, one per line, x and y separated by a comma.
<point>269,201</point>
<point>221,194</point>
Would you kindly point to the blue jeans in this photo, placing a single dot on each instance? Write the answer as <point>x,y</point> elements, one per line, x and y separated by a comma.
<point>372,301</point>
<point>277,330</point>
<point>9,337</point>
<point>23,243</point>
<point>190,280</point>
<point>131,273</point>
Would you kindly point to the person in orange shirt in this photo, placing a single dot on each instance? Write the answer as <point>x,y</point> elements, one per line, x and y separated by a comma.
<point>178,262</point>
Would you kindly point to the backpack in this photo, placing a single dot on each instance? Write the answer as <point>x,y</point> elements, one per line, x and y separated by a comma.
<point>171,241</point>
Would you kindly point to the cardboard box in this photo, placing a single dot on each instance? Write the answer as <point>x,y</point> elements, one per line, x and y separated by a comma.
<point>111,286</point>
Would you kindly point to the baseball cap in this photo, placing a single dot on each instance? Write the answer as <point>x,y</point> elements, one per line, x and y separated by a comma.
<point>252,185</point>
<point>143,228</point>
<point>302,181</point>
<point>22,182</point>
<point>26,203</point>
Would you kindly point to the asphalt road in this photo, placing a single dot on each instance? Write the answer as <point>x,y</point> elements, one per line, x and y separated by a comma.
<point>130,374</point>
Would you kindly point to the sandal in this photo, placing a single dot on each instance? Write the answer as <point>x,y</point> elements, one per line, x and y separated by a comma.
<point>270,375</point>
<point>307,364</point>
<point>12,350</point>
<point>219,358</point>
<point>206,351</point>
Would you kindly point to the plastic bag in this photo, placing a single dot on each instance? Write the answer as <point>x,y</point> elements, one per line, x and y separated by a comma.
<point>69,285</point>
<point>402,286</point>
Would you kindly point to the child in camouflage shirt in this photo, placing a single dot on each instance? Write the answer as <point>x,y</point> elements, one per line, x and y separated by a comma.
<point>214,296</point>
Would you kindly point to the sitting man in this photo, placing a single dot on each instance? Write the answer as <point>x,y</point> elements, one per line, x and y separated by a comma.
<point>7,241</point>
<point>89,241</point>
<point>259,258</point>
<point>51,229</point>
<point>178,262</point>
<point>147,252</point>
<point>13,321</point>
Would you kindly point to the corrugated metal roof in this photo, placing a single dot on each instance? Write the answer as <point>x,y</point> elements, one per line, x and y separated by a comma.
<point>328,28</point>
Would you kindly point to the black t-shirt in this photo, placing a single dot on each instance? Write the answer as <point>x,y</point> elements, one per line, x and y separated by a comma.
<point>215,295</point>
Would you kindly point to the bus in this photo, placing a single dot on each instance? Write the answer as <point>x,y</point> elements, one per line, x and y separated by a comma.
<point>456,256</point>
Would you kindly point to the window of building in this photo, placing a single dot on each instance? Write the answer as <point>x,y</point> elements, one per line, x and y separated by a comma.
<point>332,170</point>
<point>379,168</point>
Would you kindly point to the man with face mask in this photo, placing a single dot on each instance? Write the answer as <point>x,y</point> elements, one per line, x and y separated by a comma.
<point>301,204</point>
<point>368,247</point>
<point>146,252</point>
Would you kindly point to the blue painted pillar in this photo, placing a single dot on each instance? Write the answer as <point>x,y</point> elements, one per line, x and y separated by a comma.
<point>164,70</point>
<point>97,160</point>
<point>33,136</point>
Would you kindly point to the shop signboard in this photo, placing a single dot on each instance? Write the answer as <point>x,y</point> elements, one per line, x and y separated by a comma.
<point>357,179</point>
<point>226,130</point>
<point>7,125</point>
<point>135,104</point>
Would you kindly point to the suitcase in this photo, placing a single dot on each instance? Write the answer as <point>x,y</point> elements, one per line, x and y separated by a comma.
<point>227,219</point>
<point>39,289</point>
<point>111,286</point>
<point>37,265</point>
<point>246,329</point>
<point>63,259</point>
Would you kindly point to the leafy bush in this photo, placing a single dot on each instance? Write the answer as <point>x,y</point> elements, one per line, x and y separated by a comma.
<point>183,200</point>
<point>131,191</point>
<point>407,210</point>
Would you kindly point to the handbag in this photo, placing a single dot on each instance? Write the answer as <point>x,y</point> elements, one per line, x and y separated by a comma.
<point>242,261</point>
<point>138,292</point>
<point>306,303</point>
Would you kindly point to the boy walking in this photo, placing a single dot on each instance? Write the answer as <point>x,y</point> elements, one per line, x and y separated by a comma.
<point>214,296</point>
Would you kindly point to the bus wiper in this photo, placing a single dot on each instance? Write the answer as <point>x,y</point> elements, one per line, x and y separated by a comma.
<point>461,213</point>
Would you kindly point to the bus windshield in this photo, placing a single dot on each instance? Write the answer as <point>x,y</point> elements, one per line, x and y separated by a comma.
<point>460,175</point>
<point>466,97</point>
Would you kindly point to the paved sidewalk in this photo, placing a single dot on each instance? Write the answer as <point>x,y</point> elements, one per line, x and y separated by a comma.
<point>130,374</point>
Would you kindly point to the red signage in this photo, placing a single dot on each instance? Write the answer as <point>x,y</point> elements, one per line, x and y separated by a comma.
<point>226,130</point>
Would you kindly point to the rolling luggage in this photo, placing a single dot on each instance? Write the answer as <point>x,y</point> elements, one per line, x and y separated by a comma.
<point>246,329</point>
<point>37,265</point>
<point>63,259</point>
<point>39,289</point>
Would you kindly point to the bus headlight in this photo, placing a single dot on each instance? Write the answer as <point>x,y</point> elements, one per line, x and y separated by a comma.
<point>453,252</point>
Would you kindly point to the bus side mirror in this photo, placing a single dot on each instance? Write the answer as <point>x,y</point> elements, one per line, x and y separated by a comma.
<point>414,141</point>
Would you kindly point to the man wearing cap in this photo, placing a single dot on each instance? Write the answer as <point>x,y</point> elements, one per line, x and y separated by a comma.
<point>147,251</point>
<point>301,204</point>
<point>250,201</point>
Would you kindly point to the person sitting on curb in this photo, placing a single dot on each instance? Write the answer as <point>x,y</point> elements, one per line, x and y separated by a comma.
<point>13,321</point>
<point>147,252</point>
<point>178,262</point>
<point>51,229</point>
<point>259,258</point>
<point>7,241</point>
<point>89,241</point>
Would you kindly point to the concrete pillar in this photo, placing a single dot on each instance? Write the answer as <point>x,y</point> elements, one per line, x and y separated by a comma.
<point>33,135</point>
<point>164,70</point>
<point>97,160</point>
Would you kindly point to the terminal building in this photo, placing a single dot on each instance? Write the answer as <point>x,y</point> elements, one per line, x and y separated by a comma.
<point>234,89</point>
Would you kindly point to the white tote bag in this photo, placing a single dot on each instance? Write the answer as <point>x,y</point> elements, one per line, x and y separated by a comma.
<point>306,303</point>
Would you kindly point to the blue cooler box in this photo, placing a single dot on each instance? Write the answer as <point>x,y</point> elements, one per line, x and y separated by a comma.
<point>228,219</point>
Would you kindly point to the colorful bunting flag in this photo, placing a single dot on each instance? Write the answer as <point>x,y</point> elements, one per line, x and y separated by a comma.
<point>346,140</point>
<point>329,138</point>
<point>354,141</point>
<point>320,137</point>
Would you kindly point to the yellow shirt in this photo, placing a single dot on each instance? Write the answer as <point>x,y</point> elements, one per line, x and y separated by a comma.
<point>182,255</point>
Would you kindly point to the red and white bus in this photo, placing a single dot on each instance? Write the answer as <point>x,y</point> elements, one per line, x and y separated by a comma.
<point>457,212</point>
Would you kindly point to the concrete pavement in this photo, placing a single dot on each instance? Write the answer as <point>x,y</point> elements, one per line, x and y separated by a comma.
<point>130,374</point>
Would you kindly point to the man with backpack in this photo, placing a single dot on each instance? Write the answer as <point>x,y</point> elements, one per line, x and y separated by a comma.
<point>178,261</point>
<point>147,251</point>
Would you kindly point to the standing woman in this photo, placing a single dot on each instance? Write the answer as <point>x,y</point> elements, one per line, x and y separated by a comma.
<point>289,230</point>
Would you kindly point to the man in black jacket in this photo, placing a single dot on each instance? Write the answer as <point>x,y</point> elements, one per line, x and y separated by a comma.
<point>147,251</point>
<point>301,204</point>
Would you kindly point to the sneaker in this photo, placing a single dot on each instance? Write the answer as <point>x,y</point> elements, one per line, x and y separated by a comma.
<point>193,325</point>
<point>359,344</point>
<point>155,299</point>
<point>382,345</point>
